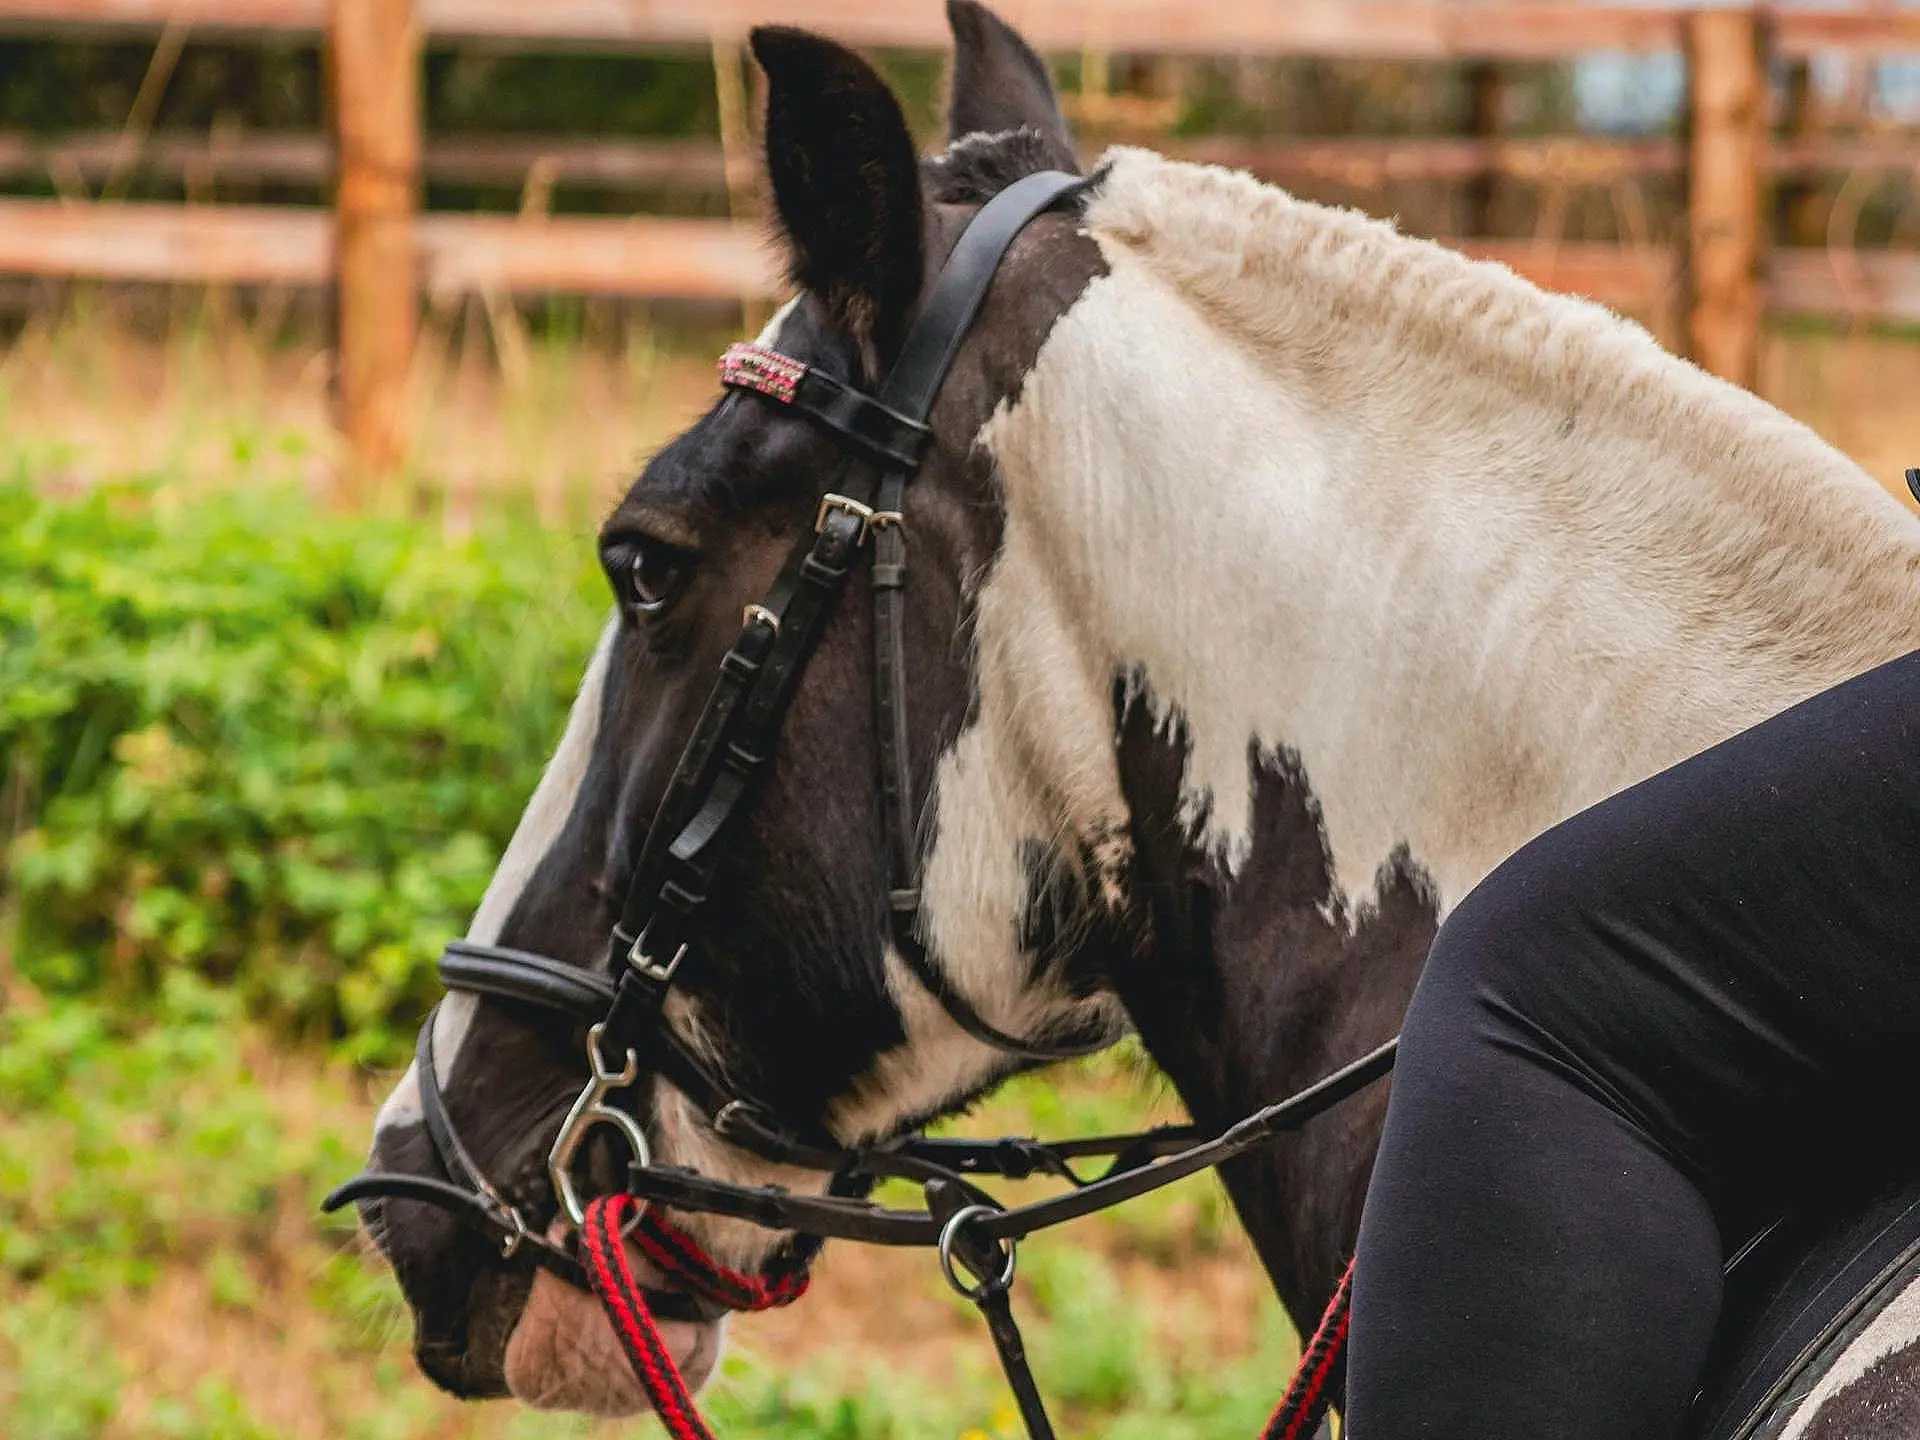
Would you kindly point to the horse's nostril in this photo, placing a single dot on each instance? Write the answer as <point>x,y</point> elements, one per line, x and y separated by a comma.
<point>373,1219</point>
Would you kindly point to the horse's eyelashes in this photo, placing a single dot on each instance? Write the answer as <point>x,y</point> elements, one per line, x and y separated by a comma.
<point>647,574</point>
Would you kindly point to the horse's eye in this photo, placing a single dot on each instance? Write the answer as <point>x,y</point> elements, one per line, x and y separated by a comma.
<point>650,573</point>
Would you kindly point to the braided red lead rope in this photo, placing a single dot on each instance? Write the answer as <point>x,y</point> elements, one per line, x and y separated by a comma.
<point>602,1237</point>
<point>613,1280</point>
<point>678,1254</point>
<point>1308,1395</point>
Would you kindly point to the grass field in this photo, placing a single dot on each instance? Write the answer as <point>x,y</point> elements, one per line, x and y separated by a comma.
<point>163,1268</point>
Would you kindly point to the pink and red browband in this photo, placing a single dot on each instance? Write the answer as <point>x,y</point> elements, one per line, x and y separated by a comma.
<point>755,367</point>
<point>883,433</point>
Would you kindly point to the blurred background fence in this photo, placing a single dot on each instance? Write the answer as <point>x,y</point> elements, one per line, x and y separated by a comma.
<point>1753,200</point>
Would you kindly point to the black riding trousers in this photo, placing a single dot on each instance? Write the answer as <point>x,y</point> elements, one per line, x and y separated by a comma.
<point>1633,1043</point>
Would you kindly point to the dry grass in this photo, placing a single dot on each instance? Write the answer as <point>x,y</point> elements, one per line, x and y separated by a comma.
<point>94,394</point>
<point>566,420</point>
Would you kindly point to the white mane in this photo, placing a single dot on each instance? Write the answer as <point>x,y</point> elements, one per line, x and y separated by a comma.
<point>1348,307</point>
<point>1477,555</point>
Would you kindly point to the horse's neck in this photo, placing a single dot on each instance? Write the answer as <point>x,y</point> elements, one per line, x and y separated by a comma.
<point>1449,602</point>
<point>1469,598</point>
<point>1234,1030</point>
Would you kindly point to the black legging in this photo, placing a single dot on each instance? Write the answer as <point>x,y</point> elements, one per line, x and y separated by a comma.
<point>1630,1044</point>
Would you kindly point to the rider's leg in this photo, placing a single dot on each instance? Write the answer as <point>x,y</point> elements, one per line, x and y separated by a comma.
<point>1627,1045</point>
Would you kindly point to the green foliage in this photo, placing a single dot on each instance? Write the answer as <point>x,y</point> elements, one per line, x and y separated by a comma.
<point>132,1143</point>
<point>816,1402</point>
<point>42,1390</point>
<point>278,748</point>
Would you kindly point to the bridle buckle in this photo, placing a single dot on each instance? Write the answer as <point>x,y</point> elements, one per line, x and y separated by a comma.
<point>831,502</point>
<point>870,519</point>
<point>649,967</point>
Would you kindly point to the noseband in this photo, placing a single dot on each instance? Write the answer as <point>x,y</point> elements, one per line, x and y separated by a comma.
<point>658,937</point>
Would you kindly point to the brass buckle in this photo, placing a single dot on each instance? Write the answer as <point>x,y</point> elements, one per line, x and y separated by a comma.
<point>830,502</point>
<point>640,960</point>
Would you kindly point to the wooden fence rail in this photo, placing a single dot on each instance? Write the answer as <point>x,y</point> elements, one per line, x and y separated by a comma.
<point>650,257</point>
<point>379,251</point>
<point>698,166</point>
<point>656,257</point>
<point>1361,29</point>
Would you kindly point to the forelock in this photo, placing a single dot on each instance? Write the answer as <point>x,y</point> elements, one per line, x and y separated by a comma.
<point>978,167</point>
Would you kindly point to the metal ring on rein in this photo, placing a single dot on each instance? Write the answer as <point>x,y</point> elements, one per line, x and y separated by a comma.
<point>983,1286</point>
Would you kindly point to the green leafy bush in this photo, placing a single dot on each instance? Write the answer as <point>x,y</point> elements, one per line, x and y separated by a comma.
<point>278,747</point>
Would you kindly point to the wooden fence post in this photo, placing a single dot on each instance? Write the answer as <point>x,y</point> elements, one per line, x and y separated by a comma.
<point>1797,208</point>
<point>1726,229</point>
<point>1486,106</point>
<point>376,107</point>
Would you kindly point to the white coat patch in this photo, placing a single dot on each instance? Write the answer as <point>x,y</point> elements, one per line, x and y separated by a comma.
<point>1479,555</point>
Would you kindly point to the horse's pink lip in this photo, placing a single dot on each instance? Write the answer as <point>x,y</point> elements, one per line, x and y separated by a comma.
<point>563,1353</point>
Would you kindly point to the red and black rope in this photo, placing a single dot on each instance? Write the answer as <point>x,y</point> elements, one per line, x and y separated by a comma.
<point>681,1258</point>
<point>619,1291</point>
<point>1309,1394</point>
<point>679,1255</point>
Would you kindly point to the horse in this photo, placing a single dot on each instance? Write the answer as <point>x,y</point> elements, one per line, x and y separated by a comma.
<point>1273,576</point>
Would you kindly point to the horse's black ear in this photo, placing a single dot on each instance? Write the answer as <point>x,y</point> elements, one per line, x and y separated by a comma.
<point>1000,84</point>
<point>846,182</point>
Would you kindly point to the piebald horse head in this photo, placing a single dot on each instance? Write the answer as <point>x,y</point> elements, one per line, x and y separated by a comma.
<point>800,999</point>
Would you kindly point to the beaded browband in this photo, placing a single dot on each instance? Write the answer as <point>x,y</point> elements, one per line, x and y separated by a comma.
<point>755,367</point>
<point>881,431</point>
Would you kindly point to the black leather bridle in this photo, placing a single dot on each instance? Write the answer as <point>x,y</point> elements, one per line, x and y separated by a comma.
<point>659,932</point>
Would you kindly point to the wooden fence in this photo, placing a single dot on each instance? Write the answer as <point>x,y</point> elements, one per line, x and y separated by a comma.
<point>378,250</point>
